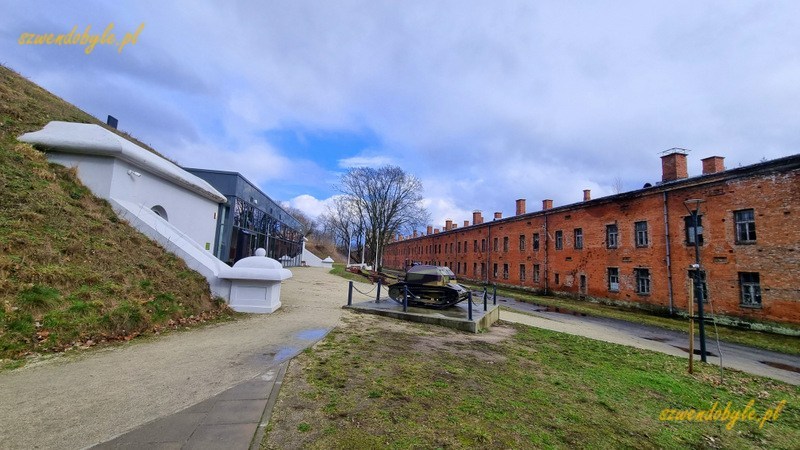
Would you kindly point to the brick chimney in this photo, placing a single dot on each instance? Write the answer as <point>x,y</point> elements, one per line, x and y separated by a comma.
<point>673,167</point>
<point>713,164</point>
<point>520,206</point>
<point>415,233</point>
<point>466,223</point>
<point>477,218</point>
<point>498,215</point>
<point>448,224</point>
<point>587,195</point>
<point>429,230</point>
<point>435,230</point>
<point>454,226</point>
<point>547,204</point>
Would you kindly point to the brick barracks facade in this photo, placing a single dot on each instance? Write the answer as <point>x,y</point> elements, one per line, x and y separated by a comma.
<point>637,247</point>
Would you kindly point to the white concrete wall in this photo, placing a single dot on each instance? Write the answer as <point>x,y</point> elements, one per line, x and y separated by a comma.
<point>94,171</point>
<point>191,213</point>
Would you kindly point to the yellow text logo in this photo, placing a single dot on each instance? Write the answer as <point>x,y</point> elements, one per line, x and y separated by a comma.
<point>729,415</point>
<point>88,39</point>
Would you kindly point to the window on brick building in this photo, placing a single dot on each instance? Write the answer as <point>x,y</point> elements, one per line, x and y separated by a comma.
<point>612,236</point>
<point>745,226</point>
<point>536,241</point>
<point>465,246</point>
<point>483,245</point>
<point>505,244</point>
<point>642,281</point>
<point>475,269</point>
<point>522,272</point>
<point>458,248</point>
<point>496,247</point>
<point>505,271</point>
<point>613,279</point>
<point>483,270</point>
<point>578,236</point>
<point>494,271</point>
<point>536,273</point>
<point>557,278</point>
<point>522,242</point>
<point>475,246</point>
<point>452,246</point>
<point>642,239</point>
<point>559,240</point>
<point>750,287</point>
<point>688,222</point>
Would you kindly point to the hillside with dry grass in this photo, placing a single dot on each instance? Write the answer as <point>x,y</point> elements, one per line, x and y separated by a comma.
<point>71,272</point>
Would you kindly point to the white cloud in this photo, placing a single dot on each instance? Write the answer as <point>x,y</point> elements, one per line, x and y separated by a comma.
<point>365,161</point>
<point>310,205</point>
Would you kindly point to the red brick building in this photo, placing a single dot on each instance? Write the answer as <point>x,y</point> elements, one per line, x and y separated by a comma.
<point>637,247</point>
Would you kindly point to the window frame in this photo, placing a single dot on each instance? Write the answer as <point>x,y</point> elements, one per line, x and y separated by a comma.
<point>615,275</point>
<point>688,224</point>
<point>749,230</point>
<point>559,240</point>
<point>643,281</point>
<point>609,234</point>
<point>755,293</point>
<point>641,236</point>
<point>577,235</point>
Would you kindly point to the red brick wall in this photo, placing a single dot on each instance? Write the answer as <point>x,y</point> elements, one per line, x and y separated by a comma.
<point>772,192</point>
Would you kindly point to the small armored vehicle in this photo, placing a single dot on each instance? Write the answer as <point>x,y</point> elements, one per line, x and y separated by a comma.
<point>429,287</point>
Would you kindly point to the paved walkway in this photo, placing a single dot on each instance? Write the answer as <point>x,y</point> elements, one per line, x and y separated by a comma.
<point>76,402</point>
<point>747,359</point>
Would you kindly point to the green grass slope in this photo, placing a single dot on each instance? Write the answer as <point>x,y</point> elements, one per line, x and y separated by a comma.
<point>71,272</point>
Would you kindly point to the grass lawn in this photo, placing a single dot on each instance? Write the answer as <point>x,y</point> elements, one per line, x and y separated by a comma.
<point>760,339</point>
<point>383,383</point>
<point>340,270</point>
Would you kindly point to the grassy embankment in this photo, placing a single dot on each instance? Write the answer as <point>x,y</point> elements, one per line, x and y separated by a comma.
<point>71,273</point>
<point>380,383</point>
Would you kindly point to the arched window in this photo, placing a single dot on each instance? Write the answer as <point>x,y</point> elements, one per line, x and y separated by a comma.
<point>158,209</point>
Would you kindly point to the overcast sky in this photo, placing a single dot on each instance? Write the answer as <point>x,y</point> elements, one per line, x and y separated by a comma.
<point>485,102</point>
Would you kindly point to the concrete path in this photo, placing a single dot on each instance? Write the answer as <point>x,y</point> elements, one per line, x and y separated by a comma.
<point>740,357</point>
<point>75,402</point>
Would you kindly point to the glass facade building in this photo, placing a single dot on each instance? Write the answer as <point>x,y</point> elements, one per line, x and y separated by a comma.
<point>251,220</point>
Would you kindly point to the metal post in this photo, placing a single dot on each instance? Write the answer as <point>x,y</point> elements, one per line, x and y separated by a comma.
<point>699,289</point>
<point>378,295</point>
<point>485,301</point>
<point>494,294</point>
<point>350,294</point>
<point>691,330</point>
<point>485,293</point>
<point>405,298</point>
<point>469,305</point>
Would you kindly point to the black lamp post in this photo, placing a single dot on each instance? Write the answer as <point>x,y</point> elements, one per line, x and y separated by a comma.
<point>698,288</point>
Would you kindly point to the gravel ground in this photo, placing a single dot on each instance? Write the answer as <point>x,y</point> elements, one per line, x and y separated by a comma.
<point>74,402</point>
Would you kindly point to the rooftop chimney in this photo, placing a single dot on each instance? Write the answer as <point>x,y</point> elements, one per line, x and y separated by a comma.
<point>429,230</point>
<point>466,223</point>
<point>448,224</point>
<point>498,215</point>
<point>477,218</point>
<point>415,233</point>
<point>587,195</point>
<point>713,164</point>
<point>435,230</point>
<point>673,166</point>
<point>454,226</point>
<point>520,206</point>
<point>547,204</point>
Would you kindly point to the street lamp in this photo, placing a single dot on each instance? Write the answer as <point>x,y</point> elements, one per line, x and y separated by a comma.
<point>698,288</point>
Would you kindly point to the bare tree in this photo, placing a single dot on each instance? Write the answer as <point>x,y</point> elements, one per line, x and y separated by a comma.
<point>308,226</point>
<point>342,220</point>
<point>617,185</point>
<point>386,200</point>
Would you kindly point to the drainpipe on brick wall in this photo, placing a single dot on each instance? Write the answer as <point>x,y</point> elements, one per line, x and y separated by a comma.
<point>546,267</point>
<point>669,259</point>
